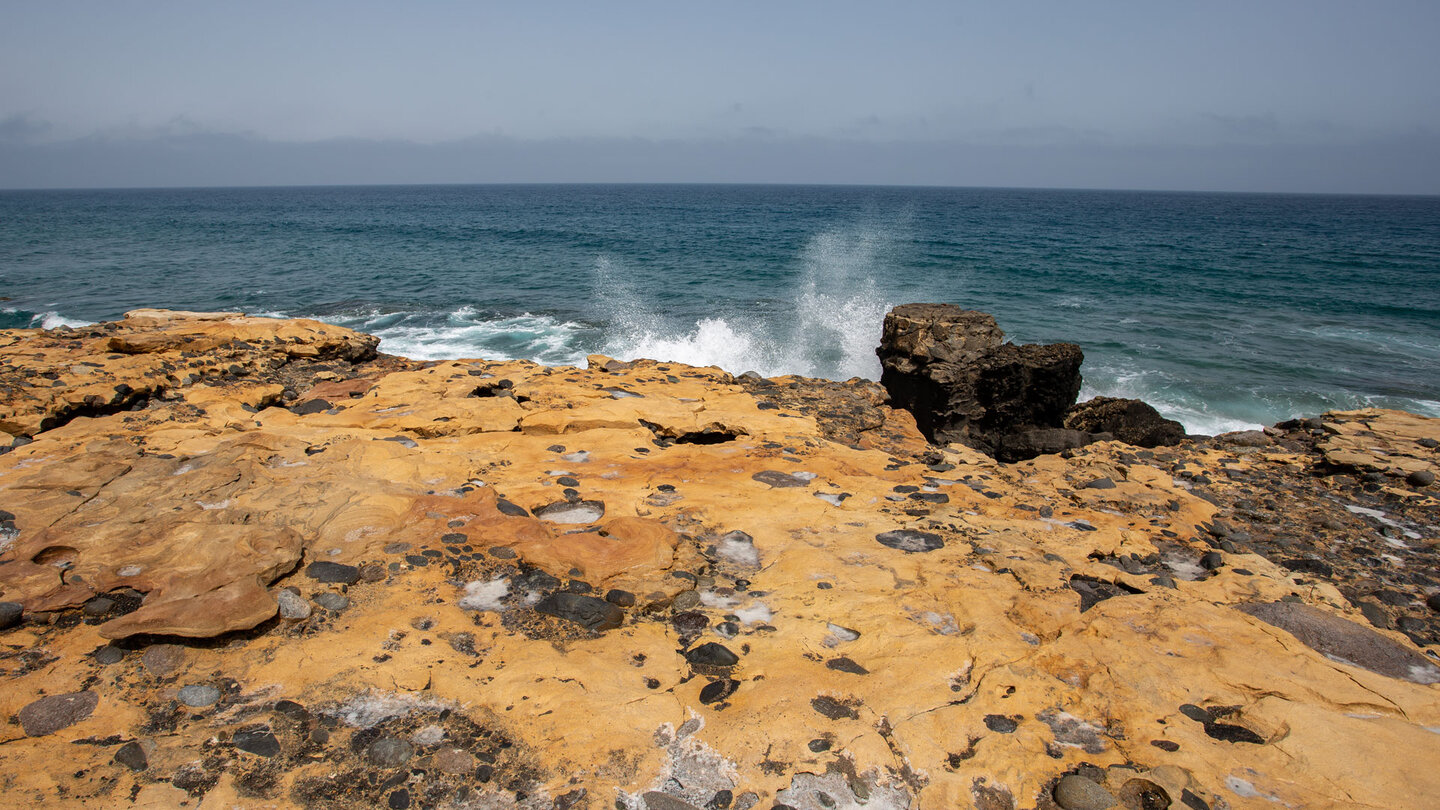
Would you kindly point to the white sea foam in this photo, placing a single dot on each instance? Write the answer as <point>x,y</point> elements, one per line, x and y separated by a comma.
<point>830,327</point>
<point>464,332</point>
<point>51,320</point>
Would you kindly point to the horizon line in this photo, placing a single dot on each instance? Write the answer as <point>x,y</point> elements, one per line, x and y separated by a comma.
<point>835,185</point>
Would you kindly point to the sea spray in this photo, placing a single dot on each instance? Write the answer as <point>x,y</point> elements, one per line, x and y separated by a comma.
<point>826,325</point>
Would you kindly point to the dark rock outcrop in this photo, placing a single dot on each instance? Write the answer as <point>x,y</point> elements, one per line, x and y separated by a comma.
<point>951,369</point>
<point>1128,420</point>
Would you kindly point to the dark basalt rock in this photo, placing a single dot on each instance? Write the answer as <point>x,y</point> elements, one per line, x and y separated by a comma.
<point>132,756</point>
<point>711,654</point>
<point>50,714</point>
<point>1128,420</point>
<point>333,572</point>
<point>910,540</point>
<point>1345,640</point>
<point>716,691</point>
<point>260,742</point>
<point>10,613</point>
<point>586,611</point>
<point>951,369</point>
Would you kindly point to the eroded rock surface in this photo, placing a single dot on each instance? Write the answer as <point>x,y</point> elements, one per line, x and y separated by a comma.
<point>326,579</point>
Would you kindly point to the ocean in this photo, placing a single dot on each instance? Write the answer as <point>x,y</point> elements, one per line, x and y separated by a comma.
<point>1225,311</point>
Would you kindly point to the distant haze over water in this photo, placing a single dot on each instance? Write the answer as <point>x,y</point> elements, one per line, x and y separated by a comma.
<point>1222,310</point>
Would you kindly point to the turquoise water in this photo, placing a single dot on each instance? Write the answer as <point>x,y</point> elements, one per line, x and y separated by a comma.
<point>1223,310</point>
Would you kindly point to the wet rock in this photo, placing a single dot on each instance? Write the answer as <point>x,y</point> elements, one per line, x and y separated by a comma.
<point>1128,420</point>
<point>260,742</point>
<point>323,571</point>
<point>132,756</point>
<point>292,605</point>
<point>51,714</point>
<point>910,540</point>
<point>586,611</point>
<point>1075,792</point>
<point>1339,638</point>
<point>198,696</point>
<point>10,613</point>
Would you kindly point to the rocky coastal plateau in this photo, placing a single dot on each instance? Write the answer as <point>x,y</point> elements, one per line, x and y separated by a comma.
<point>248,562</point>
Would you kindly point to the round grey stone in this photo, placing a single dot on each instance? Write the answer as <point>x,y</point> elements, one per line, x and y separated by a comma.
<point>685,600</point>
<point>109,654</point>
<point>332,601</point>
<point>389,752</point>
<point>10,613</point>
<point>1420,478</point>
<point>292,605</point>
<point>1074,792</point>
<point>199,695</point>
<point>162,659</point>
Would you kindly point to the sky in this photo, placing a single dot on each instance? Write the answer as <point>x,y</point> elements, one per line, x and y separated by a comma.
<point>1314,96</point>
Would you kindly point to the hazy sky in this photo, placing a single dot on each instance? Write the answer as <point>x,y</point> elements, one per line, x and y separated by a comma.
<point>1307,96</point>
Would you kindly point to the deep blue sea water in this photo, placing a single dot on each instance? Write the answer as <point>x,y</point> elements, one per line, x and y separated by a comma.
<point>1223,310</point>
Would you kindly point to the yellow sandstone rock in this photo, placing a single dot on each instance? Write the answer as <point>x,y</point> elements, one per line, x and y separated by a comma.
<point>809,604</point>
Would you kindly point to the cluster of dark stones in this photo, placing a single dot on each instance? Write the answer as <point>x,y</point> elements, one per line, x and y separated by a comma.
<point>952,369</point>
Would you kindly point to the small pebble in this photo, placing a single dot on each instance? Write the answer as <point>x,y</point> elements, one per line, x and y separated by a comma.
<point>109,654</point>
<point>132,756</point>
<point>292,605</point>
<point>332,601</point>
<point>198,696</point>
<point>1074,792</point>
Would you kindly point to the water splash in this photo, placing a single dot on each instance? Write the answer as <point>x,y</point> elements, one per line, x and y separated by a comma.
<point>828,323</point>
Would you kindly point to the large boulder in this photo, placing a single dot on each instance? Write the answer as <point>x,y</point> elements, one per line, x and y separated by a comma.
<point>1128,420</point>
<point>951,368</point>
